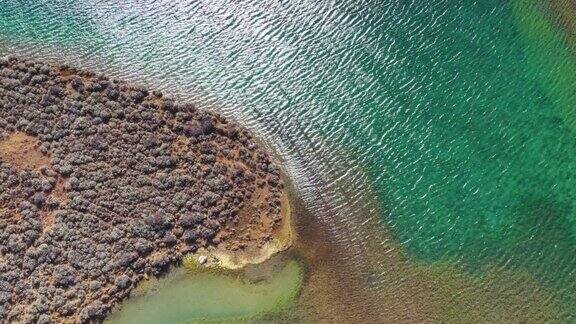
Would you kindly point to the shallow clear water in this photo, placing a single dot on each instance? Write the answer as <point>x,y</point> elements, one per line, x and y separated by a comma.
<point>434,140</point>
<point>188,296</point>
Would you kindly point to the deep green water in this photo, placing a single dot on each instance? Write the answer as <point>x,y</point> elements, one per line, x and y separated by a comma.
<point>449,124</point>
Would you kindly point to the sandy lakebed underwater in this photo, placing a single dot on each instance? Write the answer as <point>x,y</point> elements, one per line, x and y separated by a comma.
<point>429,145</point>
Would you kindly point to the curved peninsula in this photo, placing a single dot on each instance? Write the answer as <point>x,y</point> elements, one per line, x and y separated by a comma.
<point>103,183</point>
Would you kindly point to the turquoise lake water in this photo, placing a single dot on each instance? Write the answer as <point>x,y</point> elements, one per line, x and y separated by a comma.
<point>447,125</point>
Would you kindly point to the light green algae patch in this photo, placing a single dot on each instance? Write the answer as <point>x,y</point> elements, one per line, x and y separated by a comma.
<point>186,296</point>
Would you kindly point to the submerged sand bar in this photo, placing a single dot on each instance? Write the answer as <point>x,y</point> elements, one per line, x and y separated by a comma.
<point>103,184</point>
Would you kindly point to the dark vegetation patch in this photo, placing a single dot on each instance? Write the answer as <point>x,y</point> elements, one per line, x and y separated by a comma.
<point>103,183</point>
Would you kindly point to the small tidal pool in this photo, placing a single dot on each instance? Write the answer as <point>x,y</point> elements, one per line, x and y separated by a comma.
<point>191,296</point>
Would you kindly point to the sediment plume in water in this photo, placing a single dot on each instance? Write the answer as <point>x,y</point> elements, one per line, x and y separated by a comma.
<point>103,183</point>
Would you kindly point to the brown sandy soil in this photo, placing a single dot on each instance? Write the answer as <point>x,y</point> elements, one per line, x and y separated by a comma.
<point>253,237</point>
<point>23,152</point>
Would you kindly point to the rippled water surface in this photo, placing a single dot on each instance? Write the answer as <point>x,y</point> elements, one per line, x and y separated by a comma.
<point>433,141</point>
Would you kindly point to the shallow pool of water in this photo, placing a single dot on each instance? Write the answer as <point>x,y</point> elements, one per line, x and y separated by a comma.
<point>185,296</point>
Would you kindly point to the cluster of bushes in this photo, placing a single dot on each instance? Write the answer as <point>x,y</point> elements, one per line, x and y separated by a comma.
<point>146,179</point>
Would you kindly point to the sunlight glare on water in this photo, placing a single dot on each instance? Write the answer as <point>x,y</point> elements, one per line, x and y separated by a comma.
<point>432,140</point>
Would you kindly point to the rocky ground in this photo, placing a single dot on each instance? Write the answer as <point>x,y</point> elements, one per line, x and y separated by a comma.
<point>103,183</point>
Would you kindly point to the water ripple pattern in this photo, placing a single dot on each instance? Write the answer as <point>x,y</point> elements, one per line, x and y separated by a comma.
<point>417,132</point>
